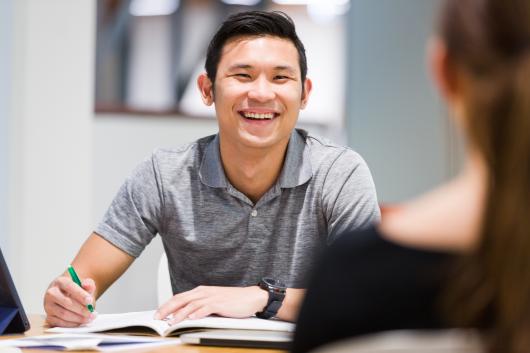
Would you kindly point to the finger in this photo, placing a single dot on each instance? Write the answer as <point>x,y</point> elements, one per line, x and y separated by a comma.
<point>202,312</point>
<point>71,289</point>
<point>68,315</point>
<point>176,303</point>
<point>189,309</point>
<point>54,321</point>
<point>89,285</point>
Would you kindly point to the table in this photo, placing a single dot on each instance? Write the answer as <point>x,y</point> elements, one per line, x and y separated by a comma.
<point>38,326</point>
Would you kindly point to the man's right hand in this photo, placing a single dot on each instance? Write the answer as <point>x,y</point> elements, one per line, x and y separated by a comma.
<point>65,302</point>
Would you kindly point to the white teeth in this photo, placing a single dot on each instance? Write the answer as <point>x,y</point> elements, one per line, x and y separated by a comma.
<point>259,116</point>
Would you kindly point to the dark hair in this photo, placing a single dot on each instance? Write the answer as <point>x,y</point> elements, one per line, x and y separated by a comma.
<point>253,23</point>
<point>488,43</point>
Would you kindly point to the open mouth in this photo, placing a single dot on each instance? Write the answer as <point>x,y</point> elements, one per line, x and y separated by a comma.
<point>258,116</point>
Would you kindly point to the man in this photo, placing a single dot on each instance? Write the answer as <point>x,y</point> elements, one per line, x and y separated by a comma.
<point>253,202</point>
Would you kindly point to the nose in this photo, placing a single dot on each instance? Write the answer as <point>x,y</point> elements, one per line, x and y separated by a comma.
<point>261,90</point>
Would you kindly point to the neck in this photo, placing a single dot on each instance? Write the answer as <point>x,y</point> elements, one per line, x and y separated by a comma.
<point>475,171</point>
<point>252,171</point>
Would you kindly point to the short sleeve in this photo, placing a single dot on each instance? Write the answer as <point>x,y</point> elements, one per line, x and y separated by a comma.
<point>349,195</point>
<point>135,215</point>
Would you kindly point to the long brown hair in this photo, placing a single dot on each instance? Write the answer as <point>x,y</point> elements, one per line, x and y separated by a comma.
<point>488,43</point>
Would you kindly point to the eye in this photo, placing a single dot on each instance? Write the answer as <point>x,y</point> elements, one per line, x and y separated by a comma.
<point>281,77</point>
<point>241,75</point>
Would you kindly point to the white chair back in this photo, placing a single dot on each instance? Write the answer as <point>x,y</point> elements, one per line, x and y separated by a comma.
<point>164,290</point>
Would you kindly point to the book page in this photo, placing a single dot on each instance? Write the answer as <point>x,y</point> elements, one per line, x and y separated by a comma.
<point>105,322</point>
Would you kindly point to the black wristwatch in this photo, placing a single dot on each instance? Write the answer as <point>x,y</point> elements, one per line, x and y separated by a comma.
<point>276,290</point>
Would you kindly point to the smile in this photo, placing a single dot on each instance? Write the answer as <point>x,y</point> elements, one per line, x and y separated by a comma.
<point>258,116</point>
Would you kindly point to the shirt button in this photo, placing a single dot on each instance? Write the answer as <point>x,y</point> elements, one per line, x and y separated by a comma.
<point>254,213</point>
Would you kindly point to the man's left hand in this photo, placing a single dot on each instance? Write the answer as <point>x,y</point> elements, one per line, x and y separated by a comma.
<point>236,302</point>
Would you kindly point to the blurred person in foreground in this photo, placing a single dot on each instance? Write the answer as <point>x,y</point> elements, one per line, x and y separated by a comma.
<point>458,256</point>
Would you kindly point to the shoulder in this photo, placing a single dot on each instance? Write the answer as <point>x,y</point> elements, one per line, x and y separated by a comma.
<point>187,154</point>
<point>326,153</point>
<point>169,162</point>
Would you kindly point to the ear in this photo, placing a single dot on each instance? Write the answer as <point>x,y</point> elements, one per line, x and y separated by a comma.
<point>442,72</point>
<point>206,88</point>
<point>308,85</point>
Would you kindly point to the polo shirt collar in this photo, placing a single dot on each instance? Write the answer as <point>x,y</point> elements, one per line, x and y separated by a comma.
<point>296,168</point>
<point>212,172</point>
<point>297,164</point>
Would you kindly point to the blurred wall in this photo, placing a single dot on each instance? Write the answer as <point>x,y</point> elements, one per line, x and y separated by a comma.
<point>50,139</point>
<point>396,121</point>
<point>5,66</point>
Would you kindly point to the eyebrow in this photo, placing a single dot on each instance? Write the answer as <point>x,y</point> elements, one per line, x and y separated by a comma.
<point>287,68</point>
<point>240,66</point>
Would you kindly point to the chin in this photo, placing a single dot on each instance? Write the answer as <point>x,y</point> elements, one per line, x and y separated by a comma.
<point>259,141</point>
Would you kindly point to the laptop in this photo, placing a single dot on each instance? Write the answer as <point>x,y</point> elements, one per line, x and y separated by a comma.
<point>240,338</point>
<point>13,319</point>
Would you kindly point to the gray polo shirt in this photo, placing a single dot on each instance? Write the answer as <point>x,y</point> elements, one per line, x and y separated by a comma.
<point>215,235</point>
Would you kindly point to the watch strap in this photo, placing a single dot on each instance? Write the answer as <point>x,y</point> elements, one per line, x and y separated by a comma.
<point>276,295</point>
<point>270,311</point>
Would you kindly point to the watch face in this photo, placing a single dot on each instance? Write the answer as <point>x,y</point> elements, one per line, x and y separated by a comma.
<point>273,282</point>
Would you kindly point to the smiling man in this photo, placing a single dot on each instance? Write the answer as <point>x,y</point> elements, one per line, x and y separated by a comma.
<point>241,213</point>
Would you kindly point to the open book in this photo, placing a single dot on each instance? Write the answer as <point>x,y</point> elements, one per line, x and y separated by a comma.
<point>144,320</point>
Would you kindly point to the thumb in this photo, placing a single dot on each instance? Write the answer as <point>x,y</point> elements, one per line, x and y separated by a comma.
<point>89,285</point>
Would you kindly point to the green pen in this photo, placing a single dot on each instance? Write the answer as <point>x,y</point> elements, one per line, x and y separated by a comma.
<point>78,282</point>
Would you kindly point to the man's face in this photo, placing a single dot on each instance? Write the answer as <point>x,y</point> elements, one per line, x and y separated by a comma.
<point>258,91</point>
